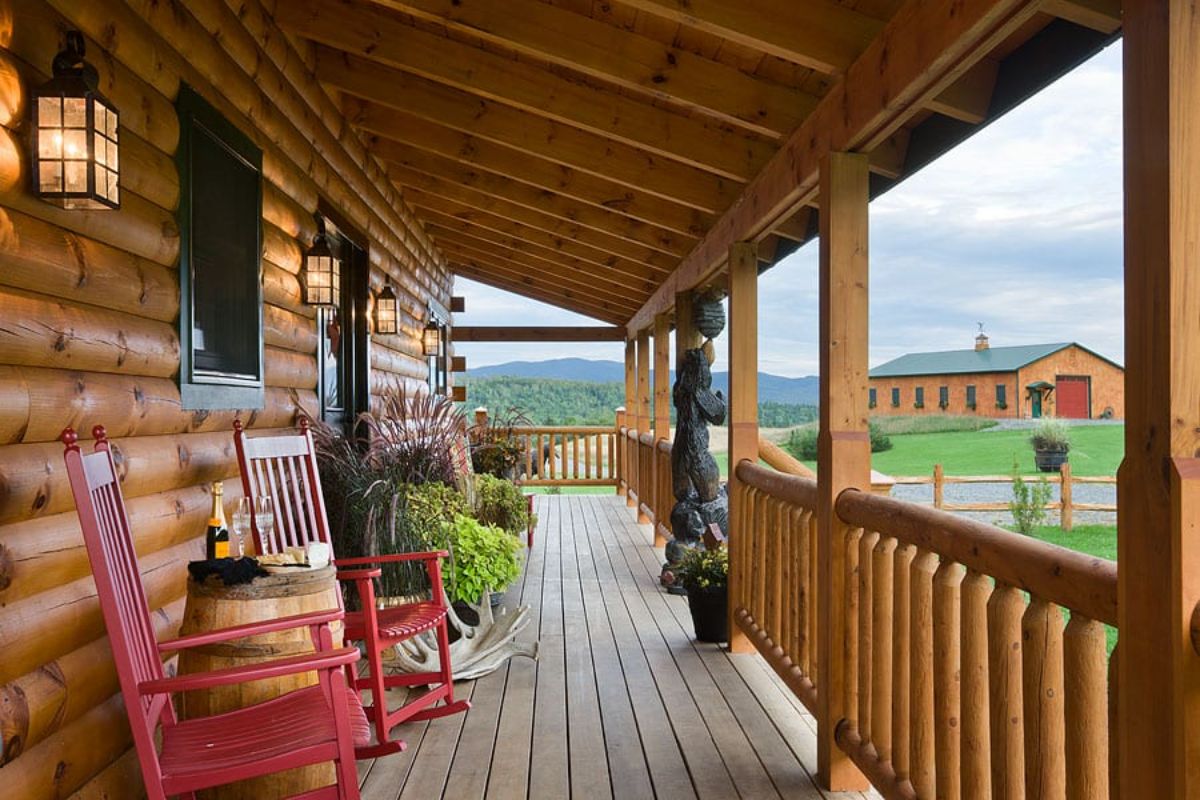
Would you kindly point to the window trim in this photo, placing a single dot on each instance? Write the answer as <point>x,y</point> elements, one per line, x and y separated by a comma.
<point>210,392</point>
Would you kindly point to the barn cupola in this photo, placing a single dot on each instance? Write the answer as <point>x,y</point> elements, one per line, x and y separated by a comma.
<point>981,339</point>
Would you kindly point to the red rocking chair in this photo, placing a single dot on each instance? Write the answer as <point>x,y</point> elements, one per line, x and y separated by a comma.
<point>308,726</point>
<point>284,468</point>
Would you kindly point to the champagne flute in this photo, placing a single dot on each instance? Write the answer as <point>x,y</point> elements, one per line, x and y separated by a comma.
<point>241,523</point>
<point>264,517</point>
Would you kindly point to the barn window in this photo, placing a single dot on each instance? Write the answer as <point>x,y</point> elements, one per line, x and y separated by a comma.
<point>1001,396</point>
<point>943,396</point>
<point>895,397</point>
<point>871,398</point>
<point>919,397</point>
<point>971,396</point>
<point>220,232</point>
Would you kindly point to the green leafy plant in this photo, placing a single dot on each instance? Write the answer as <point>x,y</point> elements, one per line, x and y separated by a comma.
<point>701,569</point>
<point>502,503</point>
<point>1028,506</point>
<point>429,506</point>
<point>483,558</point>
<point>1051,434</point>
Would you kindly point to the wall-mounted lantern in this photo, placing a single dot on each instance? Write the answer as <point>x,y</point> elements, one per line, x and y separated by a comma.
<point>76,160</point>
<point>322,275</point>
<point>386,311</point>
<point>431,338</point>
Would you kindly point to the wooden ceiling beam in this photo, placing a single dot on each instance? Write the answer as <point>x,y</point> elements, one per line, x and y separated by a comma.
<point>794,227</point>
<point>548,231</point>
<point>555,297</point>
<point>383,108</point>
<point>625,58</point>
<point>630,270</point>
<point>819,34</point>
<point>368,38</point>
<point>448,159</point>
<point>545,333</point>
<point>635,200</point>
<point>552,265</point>
<point>1103,16</point>
<point>555,205</point>
<point>969,98</point>
<point>522,276</point>
<point>927,47</point>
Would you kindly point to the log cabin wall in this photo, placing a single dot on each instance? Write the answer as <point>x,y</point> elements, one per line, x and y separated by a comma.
<point>89,304</point>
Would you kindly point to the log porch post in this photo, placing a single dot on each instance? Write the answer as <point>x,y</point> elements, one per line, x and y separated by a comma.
<point>1158,484</point>
<point>662,417</point>
<point>628,458</point>
<point>686,335</point>
<point>844,452</point>
<point>743,401</point>
<point>643,419</point>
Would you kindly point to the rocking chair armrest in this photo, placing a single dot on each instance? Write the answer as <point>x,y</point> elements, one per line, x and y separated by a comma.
<point>251,629</point>
<point>391,558</point>
<point>359,574</point>
<point>306,662</point>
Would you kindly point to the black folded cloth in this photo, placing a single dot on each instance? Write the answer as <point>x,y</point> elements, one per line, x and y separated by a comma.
<point>230,571</point>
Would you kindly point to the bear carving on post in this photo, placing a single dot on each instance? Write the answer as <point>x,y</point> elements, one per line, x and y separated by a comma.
<point>700,499</point>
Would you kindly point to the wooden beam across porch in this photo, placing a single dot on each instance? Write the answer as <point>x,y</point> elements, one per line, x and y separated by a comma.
<point>918,55</point>
<point>544,333</point>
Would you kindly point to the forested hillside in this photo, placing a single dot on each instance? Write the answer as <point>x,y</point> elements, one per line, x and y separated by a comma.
<point>547,401</point>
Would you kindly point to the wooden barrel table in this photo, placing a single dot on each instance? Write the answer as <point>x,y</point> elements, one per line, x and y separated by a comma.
<point>212,605</point>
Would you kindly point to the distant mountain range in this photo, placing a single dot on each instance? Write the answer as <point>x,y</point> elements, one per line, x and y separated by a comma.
<point>771,388</point>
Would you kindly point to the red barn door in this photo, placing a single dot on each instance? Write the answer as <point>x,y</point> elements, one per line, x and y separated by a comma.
<point>1074,396</point>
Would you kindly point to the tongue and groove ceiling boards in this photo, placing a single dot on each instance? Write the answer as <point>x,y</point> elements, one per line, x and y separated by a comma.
<point>579,151</point>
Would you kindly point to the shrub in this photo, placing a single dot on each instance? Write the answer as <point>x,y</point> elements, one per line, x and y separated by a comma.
<point>1028,506</point>
<point>802,442</point>
<point>703,569</point>
<point>1051,434</point>
<point>496,449</point>
<point>483,558</point>
<point>412,439</point>
<point>502,503</point>
<point>429,506</point>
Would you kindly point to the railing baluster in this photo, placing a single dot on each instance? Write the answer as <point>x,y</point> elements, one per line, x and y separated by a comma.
<point>901,653</point>
<point>866,631</point>
<point>882,597</point>
<point>854,644</point>
<point>1086,712</point>
<point>761,536</point>
<point>976,726</point>
<point>922,743</point>
<point>947,643</point>
<point>775,565</point>
<point>589,470</point>
<point>800,572</point>
<point>1005,609</point>
<point>1042,693</point>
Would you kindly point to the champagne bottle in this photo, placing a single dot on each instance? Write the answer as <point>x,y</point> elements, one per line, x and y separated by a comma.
<point>216,538</point>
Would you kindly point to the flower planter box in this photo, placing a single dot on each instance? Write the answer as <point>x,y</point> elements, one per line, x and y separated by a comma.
<point>1050,460</point>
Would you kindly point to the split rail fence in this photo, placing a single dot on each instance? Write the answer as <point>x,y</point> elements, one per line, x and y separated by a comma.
<point>1066,505</point>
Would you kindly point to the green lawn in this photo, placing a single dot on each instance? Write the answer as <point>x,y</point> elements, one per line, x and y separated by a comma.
<point>1095,540</point>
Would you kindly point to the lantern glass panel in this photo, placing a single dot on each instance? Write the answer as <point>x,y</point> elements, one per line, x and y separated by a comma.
<point>50,112</point>
<point>50,176</point>
<point>76,175</point>
<point>74,112</point>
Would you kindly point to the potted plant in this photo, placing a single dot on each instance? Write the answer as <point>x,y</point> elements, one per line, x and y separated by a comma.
<point>704,574</point>
<point>483,558</point>
<point>1051,442</point>
<point>502,503</point>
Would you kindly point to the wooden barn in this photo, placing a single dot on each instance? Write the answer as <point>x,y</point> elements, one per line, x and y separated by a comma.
<point>220,210</point>
<point>1063,379</point>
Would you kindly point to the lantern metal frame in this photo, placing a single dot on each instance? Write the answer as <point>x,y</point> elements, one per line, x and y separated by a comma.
<point>321,262</point>
<point>431,338</point>
<point>75,135</point>
<point>387,311</point>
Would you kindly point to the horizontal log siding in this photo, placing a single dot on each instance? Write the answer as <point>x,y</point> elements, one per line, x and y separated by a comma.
<point>89,305</point>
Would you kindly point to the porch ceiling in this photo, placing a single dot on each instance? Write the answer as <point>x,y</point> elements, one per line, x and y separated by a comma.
<point>580,151</point>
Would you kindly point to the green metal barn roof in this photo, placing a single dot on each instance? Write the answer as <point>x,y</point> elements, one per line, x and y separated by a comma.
<point>957,362</point>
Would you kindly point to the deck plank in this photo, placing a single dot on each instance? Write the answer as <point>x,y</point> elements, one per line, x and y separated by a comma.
<point>622,703</point>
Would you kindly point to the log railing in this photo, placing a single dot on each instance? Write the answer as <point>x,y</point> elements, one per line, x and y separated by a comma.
<point>580,455</point>
<point>776,602</point>
<point>963,680</point>
<point>645,477</point>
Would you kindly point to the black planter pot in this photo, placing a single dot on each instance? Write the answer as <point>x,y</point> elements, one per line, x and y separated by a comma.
<point>1050,460</point>
<point>710,613</point>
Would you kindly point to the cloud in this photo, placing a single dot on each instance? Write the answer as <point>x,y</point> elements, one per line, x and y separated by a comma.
<point>1019,227</point>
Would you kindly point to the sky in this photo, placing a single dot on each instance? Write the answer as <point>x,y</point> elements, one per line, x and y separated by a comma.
<point>1019,227</point>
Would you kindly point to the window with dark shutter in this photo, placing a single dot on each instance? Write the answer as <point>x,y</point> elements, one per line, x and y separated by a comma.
<point>895,398</point>
<point>220,231</point>
<point>919,397</point>
<point>943,396</point>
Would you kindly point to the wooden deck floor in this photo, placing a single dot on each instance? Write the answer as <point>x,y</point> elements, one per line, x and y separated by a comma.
<point>621,703</point>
